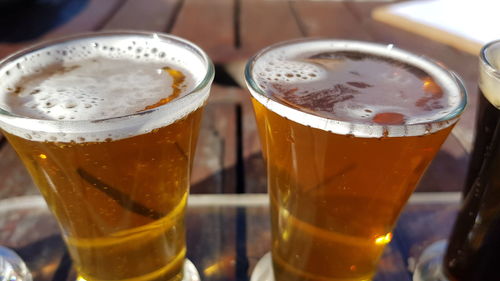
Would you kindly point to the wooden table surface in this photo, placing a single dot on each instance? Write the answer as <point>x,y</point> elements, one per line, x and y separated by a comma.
<point>228,156</point>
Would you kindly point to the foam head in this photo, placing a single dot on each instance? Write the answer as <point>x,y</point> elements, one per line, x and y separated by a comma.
<point>363,89</point>
<point>102,85</point>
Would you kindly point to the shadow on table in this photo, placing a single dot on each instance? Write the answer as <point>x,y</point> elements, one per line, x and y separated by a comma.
<point>23,20</point>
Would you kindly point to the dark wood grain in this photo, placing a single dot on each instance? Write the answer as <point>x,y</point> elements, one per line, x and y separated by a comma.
<point>215,159</point>
<point>255,168</point>
<point>263,23</point>
<point>209,24</point>
<point>151,15</point>
<point>328,19</point>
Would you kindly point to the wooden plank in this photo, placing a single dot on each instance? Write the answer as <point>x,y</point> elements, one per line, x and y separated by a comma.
<point>263,23</point>
<point>209,24</point>
<point>91,18</point>
<point>253,163</point>
<point>255,167</point>
<point>328,19</point>
<point>214,168</point>
<point>151,15</point>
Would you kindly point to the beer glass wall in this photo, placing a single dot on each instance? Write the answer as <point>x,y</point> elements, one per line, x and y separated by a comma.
<point>107,124</point>
<point>347,129</point>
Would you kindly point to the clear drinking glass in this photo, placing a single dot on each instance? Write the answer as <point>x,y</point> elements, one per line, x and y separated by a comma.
<point>106,124</point>
<point>347,129</point>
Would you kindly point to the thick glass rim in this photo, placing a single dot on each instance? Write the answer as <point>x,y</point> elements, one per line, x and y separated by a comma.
<point>483,55</point>
<point>203,84</point>
<point>388,130</point>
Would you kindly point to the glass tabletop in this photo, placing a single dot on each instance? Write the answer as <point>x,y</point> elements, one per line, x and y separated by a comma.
<point>226,235</point>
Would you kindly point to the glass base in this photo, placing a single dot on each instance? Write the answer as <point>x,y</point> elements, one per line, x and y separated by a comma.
<point>12,266</point>
<point>190,272</point>
<point>430,264</point>
<point>263,271</point>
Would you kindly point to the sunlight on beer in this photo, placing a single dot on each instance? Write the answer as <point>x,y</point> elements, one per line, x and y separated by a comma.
<point>211,269</point>
<point>430,86</point>
<point>284,215</point>
<point>226,262</point>
<point>42,156</point>
<point>384,239</point>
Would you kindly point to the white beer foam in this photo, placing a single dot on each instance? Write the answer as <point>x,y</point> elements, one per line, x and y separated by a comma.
<point>280,65</point>
<point>107,78</point>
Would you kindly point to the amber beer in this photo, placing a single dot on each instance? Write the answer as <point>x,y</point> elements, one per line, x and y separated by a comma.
<point>106,124</point>
<point>473,253</point>
<point>347,129</point>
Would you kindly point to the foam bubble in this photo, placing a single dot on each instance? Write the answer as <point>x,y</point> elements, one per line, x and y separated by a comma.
<point>350,87</point>
<point>90,88</point>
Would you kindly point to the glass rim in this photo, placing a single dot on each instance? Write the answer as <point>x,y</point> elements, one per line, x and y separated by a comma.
<point>483,56</point>
<point>450,76</point>
<point>146,35</point>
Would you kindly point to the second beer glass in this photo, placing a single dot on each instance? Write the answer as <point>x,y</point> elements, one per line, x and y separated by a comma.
<point>347,129</point>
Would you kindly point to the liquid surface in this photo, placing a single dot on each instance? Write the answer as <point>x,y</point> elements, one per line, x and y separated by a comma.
<point>95,88</point>
<point>63,92</point>
<point>356,87</point>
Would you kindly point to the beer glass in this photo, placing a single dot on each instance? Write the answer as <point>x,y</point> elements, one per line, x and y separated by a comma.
<point>106,124</point>
<point>473,251</point>
<point>347,129</point>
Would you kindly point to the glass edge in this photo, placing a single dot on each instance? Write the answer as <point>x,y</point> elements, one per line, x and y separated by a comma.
<point>486,62</point>
<point>455,77</point>
<point>204,83</point>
